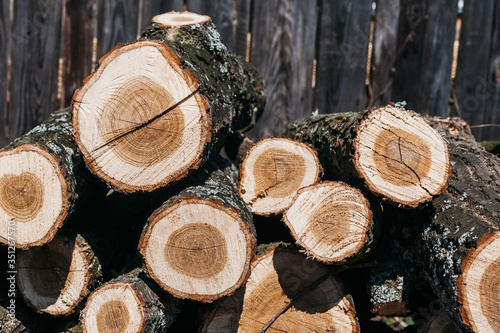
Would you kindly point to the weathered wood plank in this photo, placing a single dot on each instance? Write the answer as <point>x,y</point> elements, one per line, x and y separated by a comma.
<point>471,81</point>
<point>282,49</point>
<point>5,43</point>
<point>410,40</point>
<point>231,17</point>
<point>35,63</point>
<point>79,29</point>
<point>493,104</point>
<point>384,50</point>
<point>343,50</point>
<point>117,23</point>
<point>150,8</point>
<point>434,84</point>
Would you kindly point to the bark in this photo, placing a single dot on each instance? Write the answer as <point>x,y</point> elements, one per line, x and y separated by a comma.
<point>390,151</point>
<point>272,172</point>
<point>128,303</point>
<point>36,201</point>
<point>199,243</point>
<point>278,276</point>
<point>184,95</point>
<point>456,237</point>
<point>332,221</point>
<point>237,145</point>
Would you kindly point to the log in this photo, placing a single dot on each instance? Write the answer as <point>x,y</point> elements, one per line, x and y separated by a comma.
<point>332,221</point>
<point>198,244</point>
<point>456,238</point>
<point>278,276</point>
<point>55,277</point>
<point>128,304</point>
<point>157,107</point>
<point>41,178</point>
<point>390,151</point>
<point>272,172</point>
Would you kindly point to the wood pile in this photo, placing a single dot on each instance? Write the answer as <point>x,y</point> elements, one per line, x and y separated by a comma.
<point>126,217</point>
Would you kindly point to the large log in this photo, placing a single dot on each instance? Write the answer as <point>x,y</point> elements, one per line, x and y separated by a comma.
<point>128,304</point>
<point>272,172</point>
<point>389,150</point>
<point>42,175</point>
<point>198,244</point>
<point>332,221</point>
<point>456,238</point>
<point>156,108</point>
<point>278,276</point>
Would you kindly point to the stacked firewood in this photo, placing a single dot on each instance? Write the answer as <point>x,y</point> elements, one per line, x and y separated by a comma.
<point>123,209</point>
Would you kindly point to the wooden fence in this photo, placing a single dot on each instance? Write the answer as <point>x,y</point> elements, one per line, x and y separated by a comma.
<point>313,54</point>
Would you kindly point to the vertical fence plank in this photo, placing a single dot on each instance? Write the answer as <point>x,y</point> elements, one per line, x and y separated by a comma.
<point>493,104</point>
<point>150,8</point>
<point>231,17</point>
<point>410,40</point>
<point>384,50</point>
<point>35,63</point>
<point>80,21</point>
<point>117,23</point>
<point>283,40</point>
<point>437,55</point>
<point>5,43</point>
<point>471,80</point>
<point>343,49</point>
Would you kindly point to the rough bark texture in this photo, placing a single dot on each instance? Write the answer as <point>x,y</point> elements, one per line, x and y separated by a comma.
<point>232,87</point>
<point>188,94</point>
<point>216,189</point>
<point>386,149</point>
<point>444,236</point>
<point>54,136</point>
<point>156,316</point>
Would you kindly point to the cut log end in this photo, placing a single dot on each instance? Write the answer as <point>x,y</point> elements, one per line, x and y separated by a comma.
<point>175,19</point>
<point>331,221</point>
<point>198,249</point>
<point>277,277</point>
<point>401,157</point>
<point>55,277</point>
<point>114,307</point>
<point>33,196</point>
<point>273,171</point>
<point>479,285</point>
<point>142,127</point>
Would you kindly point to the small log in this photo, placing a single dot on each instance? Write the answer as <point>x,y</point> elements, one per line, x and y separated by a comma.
<point>456,238</point>
<point>332,221</point>
<point>272,172</point>
<point>198,244</point>
<point>156,108</point>
<point>128,304</point>
<point>394,153</point>
<point>41,178</point>
<point>55,277</point>
<point>278,276</point>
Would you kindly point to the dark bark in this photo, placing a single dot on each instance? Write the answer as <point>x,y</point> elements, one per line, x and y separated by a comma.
<point>54,136</point>
<point>441,237</point>
<point>232,87</point>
